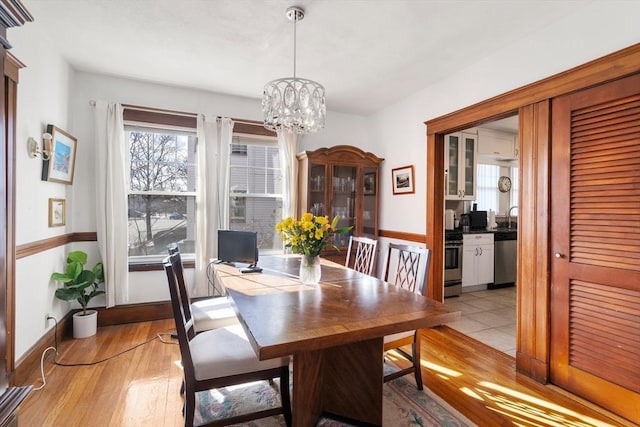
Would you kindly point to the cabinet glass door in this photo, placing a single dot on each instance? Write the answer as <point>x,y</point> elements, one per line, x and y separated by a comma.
<point>369,202</point>
<point>344,200</point>
<point>453,147</point>
<point>469,166</point>
<point>317,183</point>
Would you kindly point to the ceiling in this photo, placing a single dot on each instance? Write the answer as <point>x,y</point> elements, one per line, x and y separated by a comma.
<point>367,54</point>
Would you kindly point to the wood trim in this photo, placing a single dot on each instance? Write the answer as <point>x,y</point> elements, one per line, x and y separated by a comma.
<point>38,246</point>
<point>30,361</point>
<point>134,313</point>
<point>12,66</point>
<point>614,66</point>
<point>11,99</point>
<point>411,237</point>
<point>157,266</point>
<point>435,218</point>
<point>533,334</point>
<point>533,354</point>
<point>159,117</point>
<point>250,128</point>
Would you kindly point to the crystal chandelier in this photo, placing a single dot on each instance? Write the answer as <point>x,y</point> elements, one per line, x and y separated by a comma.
<point>293,103</point>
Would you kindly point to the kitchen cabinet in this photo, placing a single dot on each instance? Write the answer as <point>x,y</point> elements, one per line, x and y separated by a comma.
<point>477,259</point>
<point>495,143</point>
<point>460,166</point>
<point>341,181</point>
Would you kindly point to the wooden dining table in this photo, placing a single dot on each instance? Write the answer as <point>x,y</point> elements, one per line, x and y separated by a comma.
<point>333,330</point>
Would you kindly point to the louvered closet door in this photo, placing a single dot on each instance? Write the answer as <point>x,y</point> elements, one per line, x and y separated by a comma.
<point>595,267</point>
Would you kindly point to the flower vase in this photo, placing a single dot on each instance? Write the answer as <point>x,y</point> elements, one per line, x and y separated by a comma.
<point>310,269</point>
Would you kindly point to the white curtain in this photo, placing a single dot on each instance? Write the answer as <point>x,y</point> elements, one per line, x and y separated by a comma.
<point>111,200</point>
<point>288,149</point>
<point>212,200</point>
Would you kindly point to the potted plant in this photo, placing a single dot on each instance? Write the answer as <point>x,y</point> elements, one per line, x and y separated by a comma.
<point>80,285</point>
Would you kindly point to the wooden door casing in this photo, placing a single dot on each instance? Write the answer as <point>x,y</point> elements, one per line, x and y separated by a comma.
<point>595,271</point>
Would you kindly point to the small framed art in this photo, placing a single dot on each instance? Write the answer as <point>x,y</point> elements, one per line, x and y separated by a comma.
<point>57,212</point>
<point>403,180</point>
<point>62,161</point>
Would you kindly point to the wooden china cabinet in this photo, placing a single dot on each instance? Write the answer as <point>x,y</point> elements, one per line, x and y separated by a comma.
<point>340,181</point>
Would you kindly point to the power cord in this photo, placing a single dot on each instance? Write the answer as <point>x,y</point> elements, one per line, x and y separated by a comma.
<point>159,336</point>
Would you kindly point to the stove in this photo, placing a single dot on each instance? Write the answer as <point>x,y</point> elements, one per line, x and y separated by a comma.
<point>452,263</point>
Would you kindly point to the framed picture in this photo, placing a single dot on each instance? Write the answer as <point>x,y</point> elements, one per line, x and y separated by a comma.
<point>370,184</point>
<point>57,212</point>
<point>62,161</point>
<point>403,180</point>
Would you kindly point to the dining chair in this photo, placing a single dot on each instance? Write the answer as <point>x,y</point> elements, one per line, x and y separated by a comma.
<point>408,267</point>
<point>219,357</point>
<point>364,256</point>
<point>208,313</point>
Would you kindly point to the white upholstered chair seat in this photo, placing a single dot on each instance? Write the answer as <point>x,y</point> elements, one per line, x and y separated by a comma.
<point>213,313</point>
<point>224,352</point>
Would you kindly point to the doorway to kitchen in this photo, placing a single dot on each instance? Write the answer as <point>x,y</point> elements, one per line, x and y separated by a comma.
<point>481,231</point>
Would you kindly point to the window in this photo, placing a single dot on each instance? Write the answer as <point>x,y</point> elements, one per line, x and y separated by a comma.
<point>162,191</point>
<point>255,189</point>
<point>488,194</point>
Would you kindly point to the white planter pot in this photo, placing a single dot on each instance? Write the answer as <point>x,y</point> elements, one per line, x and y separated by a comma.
<point>85,326</point>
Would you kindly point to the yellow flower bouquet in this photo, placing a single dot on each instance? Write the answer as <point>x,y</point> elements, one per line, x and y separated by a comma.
<point>310,234</point>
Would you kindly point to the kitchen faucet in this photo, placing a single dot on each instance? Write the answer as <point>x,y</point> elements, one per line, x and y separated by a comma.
<point>509,215</point>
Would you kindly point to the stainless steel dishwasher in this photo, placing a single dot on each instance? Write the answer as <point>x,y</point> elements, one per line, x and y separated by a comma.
<point>505,258</point>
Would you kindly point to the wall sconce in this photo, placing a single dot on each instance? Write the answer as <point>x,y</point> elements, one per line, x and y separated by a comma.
<point>33,148</point>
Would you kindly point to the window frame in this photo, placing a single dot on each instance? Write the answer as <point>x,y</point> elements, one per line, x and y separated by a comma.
<point>261,136</point>
<point>155,120</point>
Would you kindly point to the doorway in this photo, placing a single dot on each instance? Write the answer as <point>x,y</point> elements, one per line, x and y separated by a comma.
<point>487,303</point>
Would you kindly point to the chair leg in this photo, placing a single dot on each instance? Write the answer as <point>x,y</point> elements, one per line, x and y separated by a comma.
<point>189,407</point>
<point>284,394</point>
<point>415,353</point>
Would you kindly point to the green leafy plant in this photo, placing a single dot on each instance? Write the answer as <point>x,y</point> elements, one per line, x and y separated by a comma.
<point>79,284</point>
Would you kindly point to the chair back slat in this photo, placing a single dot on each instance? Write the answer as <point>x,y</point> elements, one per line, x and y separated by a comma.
<point>365,254</point>
<point>181,311</point>
<point>176,261</point>
<point>411,267</point>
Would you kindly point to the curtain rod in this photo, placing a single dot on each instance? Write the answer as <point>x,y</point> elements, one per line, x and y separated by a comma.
<point>245,121</point>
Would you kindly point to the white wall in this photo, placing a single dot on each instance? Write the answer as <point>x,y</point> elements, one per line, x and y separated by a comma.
<point>595,29</point>
<point>43,98</point>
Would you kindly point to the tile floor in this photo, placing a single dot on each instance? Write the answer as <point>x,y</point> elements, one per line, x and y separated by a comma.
<point>488,316</point>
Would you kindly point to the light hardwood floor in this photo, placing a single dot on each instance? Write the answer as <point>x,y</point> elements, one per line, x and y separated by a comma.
<point>141,387</point>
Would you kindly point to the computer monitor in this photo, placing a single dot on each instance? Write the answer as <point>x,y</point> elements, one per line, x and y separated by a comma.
<point>238,246</point>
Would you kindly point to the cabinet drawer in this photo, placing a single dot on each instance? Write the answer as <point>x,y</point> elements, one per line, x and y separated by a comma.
<point>478,239</point>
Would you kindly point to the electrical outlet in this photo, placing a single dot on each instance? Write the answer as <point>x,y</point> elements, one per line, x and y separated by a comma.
<point>46,320</point>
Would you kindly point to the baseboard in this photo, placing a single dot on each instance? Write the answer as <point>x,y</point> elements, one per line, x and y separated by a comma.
<point>30,362</point>
<point>134,313</point>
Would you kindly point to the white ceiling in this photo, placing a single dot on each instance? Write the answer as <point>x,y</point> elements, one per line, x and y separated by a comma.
<point>367,54</point>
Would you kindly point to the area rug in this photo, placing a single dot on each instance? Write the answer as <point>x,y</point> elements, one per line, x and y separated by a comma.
<point>403,406</point>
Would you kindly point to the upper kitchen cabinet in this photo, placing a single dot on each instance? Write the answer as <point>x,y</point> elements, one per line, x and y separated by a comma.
<point>340,181</point>
<point>460,166</point>
<point>496,144</point>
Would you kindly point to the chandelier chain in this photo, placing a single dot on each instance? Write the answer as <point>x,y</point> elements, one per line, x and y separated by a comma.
<point>295,23</point>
